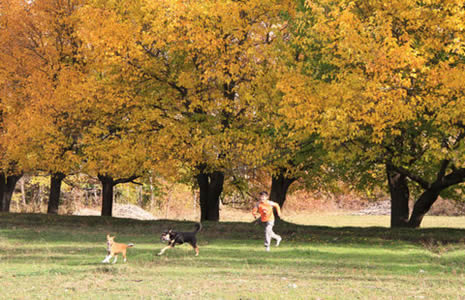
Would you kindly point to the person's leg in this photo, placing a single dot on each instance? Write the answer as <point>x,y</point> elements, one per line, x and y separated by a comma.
<point>268,231</point>
<point>273,235</point>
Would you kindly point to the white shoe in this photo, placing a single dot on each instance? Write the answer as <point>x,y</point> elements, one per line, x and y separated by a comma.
<point>278,241</point>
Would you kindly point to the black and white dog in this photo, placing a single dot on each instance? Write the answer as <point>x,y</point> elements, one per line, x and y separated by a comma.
<point>177,238</point>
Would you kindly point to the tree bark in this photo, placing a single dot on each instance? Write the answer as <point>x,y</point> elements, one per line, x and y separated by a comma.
<point>108,183</point>
<point>279,186</point>
<point>107,194</point>
<point>422,206</point>
<point>55,189</point>
<point>211,187</point>
<point>23,192</point>
<point>7,187</point>
<point>399,191</point>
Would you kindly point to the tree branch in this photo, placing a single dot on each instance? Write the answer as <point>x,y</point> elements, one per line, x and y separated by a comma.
<point>423,183</point>
<point>442,170</point>
<point>126,180</point>
<point>456,177</point>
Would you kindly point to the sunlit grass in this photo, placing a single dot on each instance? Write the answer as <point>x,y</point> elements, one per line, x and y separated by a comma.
<point>342,220</point>
<point>44,257</point>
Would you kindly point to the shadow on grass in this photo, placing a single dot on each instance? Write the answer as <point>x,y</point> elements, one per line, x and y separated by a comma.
<point>92,229</point>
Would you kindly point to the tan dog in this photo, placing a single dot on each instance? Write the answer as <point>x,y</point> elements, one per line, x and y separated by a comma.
<point>115,248</point>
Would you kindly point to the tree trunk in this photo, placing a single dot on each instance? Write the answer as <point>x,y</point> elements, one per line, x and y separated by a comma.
<point>107,194</point>
<point>23,192</point>
<point>399,191</point>
<point>152,196</point>
<point>211,186</point>
<point>108,183</point>
<point>7,187</point>
<point>279,186</point>
<point>55,189</point>
<point>422,206</point>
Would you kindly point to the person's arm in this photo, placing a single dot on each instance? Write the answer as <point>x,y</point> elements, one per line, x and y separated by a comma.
<point>278,209</point>
<point>255,211</point>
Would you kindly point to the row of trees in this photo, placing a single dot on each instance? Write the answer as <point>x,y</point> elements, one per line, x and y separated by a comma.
<point>207,91</point>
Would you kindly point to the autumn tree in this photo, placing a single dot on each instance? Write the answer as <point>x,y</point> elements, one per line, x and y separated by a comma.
<point>292,153</point>
<point>114,154</point>
<point>390,77</point>
<point>189,62</point>
<point>13,97</point>
<point>46,128</point>
<point>71,113</point>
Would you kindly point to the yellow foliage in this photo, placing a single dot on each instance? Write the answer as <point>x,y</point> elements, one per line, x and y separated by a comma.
<point>375,68</point>
<point>187,66</point>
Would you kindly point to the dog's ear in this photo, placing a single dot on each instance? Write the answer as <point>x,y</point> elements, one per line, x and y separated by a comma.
<point>108,236</point>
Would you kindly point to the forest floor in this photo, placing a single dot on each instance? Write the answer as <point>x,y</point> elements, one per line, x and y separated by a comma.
<point>59,257</point>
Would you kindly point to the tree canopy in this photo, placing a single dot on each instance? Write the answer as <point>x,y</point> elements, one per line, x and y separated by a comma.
<point>367,90</point>
<point>388,74</point>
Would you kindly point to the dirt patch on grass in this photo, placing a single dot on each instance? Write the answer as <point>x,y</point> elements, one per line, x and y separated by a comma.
<point>442,207</point>
<point>129,211</point>
<point>381,208</point>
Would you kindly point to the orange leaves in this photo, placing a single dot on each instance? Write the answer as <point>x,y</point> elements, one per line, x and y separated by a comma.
<point>173,61</point>
<point>44,64</point>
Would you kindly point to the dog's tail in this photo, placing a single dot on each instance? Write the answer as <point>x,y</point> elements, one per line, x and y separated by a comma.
<point>198,227</point>
<point>130,245</point>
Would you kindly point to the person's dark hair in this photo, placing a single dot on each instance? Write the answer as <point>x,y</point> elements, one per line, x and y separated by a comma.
<point>263,193</point>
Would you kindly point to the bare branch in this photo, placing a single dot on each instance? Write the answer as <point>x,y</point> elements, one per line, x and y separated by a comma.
<point>126,180</point>
<point>423,183</point>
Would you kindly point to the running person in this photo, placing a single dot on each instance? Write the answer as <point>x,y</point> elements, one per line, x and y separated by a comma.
<point>264,209</point>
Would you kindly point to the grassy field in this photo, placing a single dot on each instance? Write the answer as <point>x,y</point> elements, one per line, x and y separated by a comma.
<point>57,257</point>
<point>370,221</point>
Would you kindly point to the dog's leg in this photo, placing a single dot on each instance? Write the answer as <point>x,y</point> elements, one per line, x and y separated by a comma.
<point>116,258</point>
<point>107,259</point>
<point>124,256</point>
<point>164,249</point>
<point>196,248</point>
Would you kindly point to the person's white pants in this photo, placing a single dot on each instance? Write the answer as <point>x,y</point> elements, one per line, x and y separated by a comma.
<point>269,234</point>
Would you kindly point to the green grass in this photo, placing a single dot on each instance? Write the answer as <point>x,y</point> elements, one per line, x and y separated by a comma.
<point>369,221</point>
<point>57,257</point>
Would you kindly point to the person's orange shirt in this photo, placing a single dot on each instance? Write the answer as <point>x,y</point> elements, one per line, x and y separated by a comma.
<point>265,210</point>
